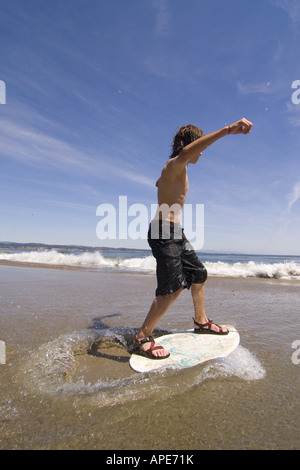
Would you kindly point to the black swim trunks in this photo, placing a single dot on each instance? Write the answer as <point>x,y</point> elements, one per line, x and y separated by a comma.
<point>177,264</point>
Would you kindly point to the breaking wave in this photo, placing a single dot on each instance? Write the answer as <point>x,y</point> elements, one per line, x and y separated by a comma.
<point>289,270</point>
<point>83,260</point>
<point>286,270</point>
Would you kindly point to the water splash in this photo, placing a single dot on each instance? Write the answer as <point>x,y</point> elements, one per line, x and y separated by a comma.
<point>241,363</point>
<point>50,369</point>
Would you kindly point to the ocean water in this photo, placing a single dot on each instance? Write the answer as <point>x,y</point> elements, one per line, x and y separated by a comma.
<point>142,261</point>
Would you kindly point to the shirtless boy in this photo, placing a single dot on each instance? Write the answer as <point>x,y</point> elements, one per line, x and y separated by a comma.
<point>178,266</point>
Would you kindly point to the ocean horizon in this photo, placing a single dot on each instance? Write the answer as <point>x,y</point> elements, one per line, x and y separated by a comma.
<point>137,260</point>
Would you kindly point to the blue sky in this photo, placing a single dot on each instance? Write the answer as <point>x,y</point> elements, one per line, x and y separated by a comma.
<point>95,91</point>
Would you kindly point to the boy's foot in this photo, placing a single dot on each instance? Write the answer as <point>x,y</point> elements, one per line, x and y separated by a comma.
<point>209,328</point>
<point>147,347</point>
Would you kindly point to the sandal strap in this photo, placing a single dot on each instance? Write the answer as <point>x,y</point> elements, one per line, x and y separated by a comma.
<point>155,348</point>
<point>202,325</point>
<point>148,339</point>
<point>208,324</point>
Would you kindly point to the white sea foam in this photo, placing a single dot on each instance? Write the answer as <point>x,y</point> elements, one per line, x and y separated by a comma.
<point>54,257</point>
<point>84,260</point>
<point>241,363</point>
<point>288,270</point>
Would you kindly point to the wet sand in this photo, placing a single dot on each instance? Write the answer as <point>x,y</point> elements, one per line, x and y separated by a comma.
<point>67,383</point>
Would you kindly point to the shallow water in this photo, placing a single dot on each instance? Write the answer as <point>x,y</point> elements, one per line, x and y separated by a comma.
<point>67,383</point>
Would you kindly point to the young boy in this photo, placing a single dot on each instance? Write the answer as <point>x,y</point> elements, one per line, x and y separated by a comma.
<point>178,267</point>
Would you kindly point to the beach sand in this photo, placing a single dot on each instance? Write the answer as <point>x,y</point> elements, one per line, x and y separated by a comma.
<point>67,383</point>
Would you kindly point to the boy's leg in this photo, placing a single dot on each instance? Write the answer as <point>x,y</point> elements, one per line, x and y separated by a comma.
<point>198,294</point>
<point>158,308</point>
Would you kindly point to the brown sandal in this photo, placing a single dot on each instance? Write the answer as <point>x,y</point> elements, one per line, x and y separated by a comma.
<point>205,328</point>
<point>149,353</point>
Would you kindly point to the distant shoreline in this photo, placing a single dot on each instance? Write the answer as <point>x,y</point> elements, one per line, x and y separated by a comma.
<point>28,246</point>
<point>87,248</point>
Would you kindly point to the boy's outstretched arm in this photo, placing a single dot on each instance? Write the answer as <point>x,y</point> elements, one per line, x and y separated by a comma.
<point>193,150</point>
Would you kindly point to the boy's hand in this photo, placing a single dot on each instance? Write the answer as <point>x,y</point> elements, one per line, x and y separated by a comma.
<point>243,126</point>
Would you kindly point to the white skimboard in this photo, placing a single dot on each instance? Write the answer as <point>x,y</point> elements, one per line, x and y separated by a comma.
<point>188,349</point>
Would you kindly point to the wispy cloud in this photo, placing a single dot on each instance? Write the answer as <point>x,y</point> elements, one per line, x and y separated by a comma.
<point>31,146</point>
<point>140,179</point>
<point>163,18</point>
<point>247,89</point>
<point>71,205</point>
<point>294,196</point>
<point>293,112</point>
<point>292,8</point>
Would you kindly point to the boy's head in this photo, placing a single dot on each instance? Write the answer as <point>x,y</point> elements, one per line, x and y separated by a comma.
<point>185,136</point>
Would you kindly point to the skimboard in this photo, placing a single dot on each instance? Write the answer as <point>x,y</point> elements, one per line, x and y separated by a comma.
<point>188,349</point>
